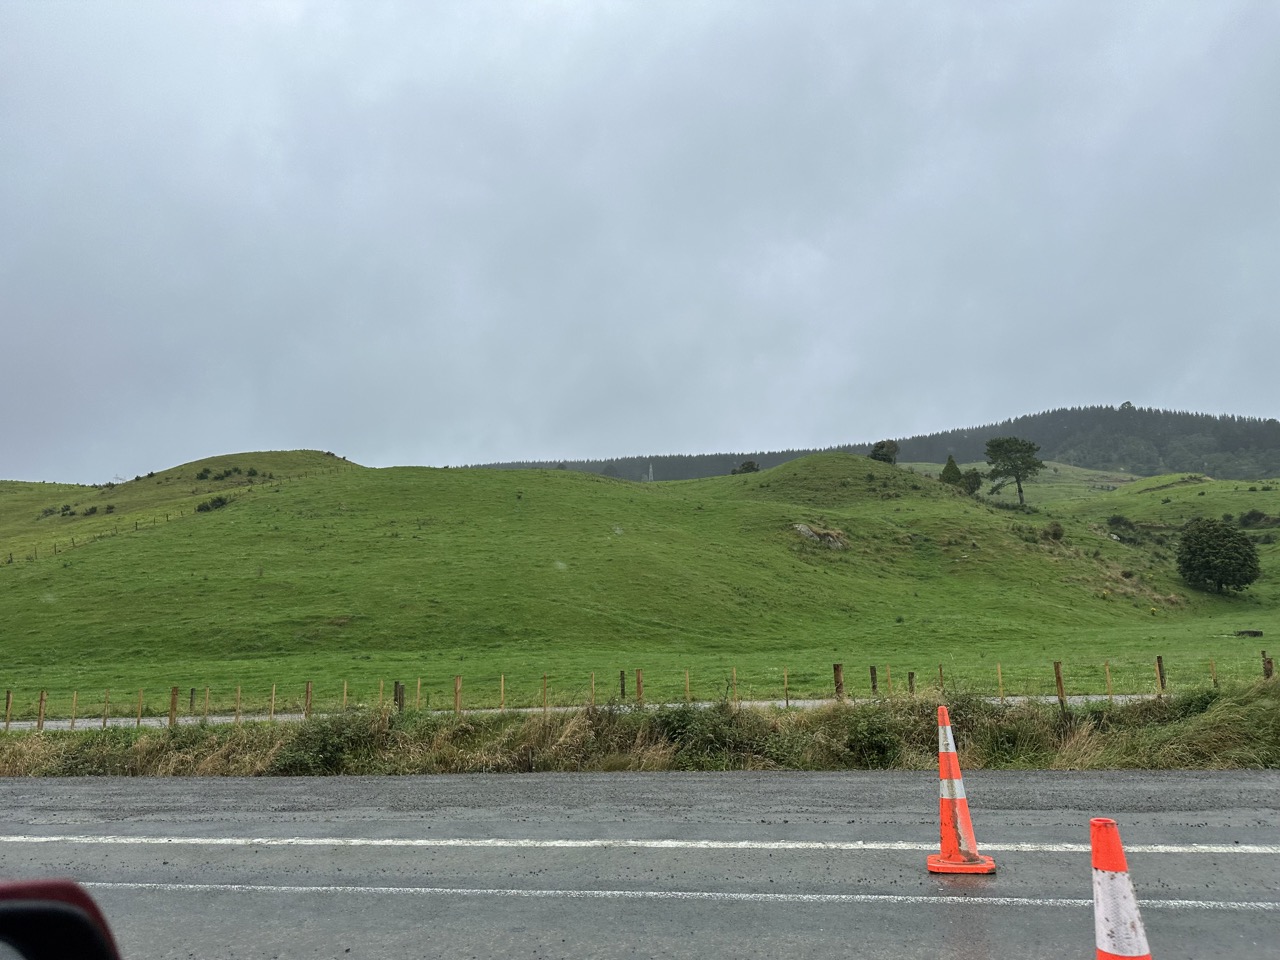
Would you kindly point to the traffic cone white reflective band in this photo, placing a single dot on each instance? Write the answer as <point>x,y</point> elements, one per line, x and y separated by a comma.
<point>959,853</point>
<point>1117,925</point>
<point>946,742</point>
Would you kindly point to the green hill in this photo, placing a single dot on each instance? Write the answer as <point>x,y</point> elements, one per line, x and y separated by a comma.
<point>314,568</point>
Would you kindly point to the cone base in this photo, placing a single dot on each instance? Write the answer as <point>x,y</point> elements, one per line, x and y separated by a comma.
<point>937,864</point>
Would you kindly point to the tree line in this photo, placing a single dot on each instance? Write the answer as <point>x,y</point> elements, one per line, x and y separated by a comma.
<point>1140,440</point>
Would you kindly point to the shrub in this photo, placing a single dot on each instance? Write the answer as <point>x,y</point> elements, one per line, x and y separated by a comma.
<point>213,503</point>
<point>951,472</point>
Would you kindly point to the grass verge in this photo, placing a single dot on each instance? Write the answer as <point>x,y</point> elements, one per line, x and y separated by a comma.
<point>1235,728</point>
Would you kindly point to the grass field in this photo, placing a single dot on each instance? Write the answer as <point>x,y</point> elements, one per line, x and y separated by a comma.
<point>318,569</point>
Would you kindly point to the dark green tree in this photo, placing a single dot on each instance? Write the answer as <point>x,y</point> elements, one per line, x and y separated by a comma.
<point>886,451</point>
<point>1214,554</point>
<point>747,466</point>
<point>951,472</point>
<point>1012,461</point>
<point>971,481</point>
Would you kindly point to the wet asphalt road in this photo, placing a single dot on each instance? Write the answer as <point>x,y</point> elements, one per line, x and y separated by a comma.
<point>388,867</point>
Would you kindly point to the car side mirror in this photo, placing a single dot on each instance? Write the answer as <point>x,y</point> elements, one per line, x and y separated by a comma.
<point>53,920</point>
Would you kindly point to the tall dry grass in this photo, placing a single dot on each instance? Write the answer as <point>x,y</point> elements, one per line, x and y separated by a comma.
<point>1207,730</point>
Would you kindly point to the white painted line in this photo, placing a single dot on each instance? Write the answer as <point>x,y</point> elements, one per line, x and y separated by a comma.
<point>552,843</point>
<point>838,898</point>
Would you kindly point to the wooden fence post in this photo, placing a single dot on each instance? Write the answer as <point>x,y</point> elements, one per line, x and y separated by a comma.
<point>237,704</point>
<point>191,707</point>
<point>204,718</point>
<point>106,706</point>
<point>8,709</point>
<point>380,694</point>
<point>40,714</point>
<point>1213,673</point>
<point>875,686</point>
<point>639,685</point>
<point>786,689</point>
<point>173,707</point>
<point>888,678</point>
<point>911,683</point>
<point>75,695</point>
<point>271,714</point>
<point>593,688</point>
<point>622,684</point>
<point>1000,681</point>
<point>417,700</point>
<point>306,703</point>
<point>735,685</point>
<point>837,670</point>
<point>502,691</point>
<point>1106,666</point>
<point>457,694</point>
<point>942,686</point>
<point>138,721</point>
<point>344,696</point>
<point>686,684</point>
<point>1267,668</point>
<point>1160,673</point>
<point>399,697</point>
<point>1057,679</point>
<point>544,694</point>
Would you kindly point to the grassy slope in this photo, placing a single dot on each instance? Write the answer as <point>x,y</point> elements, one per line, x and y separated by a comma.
<point>335,572</point>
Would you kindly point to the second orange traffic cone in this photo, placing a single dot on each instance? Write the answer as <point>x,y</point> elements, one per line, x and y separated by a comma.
<point>1117,925</point>
<point>959,852</point>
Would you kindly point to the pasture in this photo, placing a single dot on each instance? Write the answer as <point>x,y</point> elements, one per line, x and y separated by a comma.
<point>316,569</point>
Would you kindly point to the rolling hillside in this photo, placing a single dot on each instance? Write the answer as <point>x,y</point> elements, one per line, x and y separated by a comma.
<point>316,568</point>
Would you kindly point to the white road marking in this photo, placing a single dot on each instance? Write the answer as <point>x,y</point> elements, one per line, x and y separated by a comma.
<point>838,898</point>
<point>553,843</point>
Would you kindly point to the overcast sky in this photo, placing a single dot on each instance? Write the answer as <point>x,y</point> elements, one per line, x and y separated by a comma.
<point>445,233</point>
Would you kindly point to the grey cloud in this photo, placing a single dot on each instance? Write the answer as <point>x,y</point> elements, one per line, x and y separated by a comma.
<point>464,232</point>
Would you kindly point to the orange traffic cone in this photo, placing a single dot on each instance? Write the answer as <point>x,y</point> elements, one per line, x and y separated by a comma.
<point>1117,926</point>
<point>959,848</point>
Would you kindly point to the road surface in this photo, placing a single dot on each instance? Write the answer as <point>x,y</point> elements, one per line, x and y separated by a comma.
<point>734,865</point>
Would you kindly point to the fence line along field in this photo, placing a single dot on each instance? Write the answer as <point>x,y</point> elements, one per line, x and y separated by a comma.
<point>279,568</point>
<point>614,688</point>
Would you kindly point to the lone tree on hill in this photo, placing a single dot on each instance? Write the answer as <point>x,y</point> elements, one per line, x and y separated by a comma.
<point>886,451</point>
<point>971,481</point>
<point>748,466</point>
<point>1212,553</point>
<point>951,472</point>
<point>1012,461</point>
